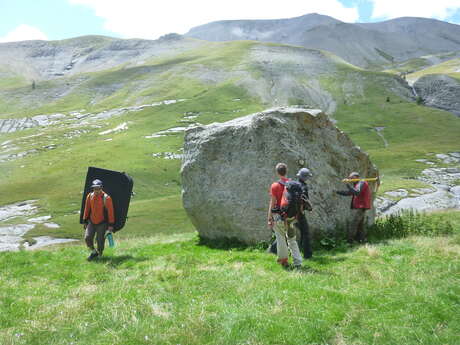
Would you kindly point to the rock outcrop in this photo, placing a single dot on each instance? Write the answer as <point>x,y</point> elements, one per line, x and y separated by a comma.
<point>228,167</point>
<point>439,91</point>
<point>45,60</point>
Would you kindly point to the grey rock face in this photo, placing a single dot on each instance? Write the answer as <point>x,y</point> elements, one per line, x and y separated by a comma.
<point>439,91</point>
<point>44,60</point>
<point>362,44</point>
<point>227,170</point>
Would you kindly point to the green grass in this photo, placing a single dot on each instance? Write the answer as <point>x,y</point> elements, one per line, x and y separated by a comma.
<point>124,85</point>
<point>450,67</point>
<point>158,286</point>
<point>412,131</point>
<point>408,66</point>
<point>56,177</point>
<point>391,183</point>
<point>13,82</point>
<point>169,290</point>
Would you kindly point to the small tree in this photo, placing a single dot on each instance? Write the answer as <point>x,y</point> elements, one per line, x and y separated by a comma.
<point>33,84</point>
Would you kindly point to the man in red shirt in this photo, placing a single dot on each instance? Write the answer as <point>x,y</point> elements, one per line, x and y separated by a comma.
<point>282,227</point>
<point>360,202</point>
<point>98,218</point>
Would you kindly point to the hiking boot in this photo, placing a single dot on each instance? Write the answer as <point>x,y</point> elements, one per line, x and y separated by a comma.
<point>284,262</point>
<point>93,255</point>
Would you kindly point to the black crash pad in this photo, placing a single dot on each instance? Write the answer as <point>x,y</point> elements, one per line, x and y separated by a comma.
<point>118,185</point>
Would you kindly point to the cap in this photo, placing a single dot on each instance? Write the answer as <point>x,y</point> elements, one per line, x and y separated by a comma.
<point>304,173</point>
<point>353,174</point>
<point>96,184</point>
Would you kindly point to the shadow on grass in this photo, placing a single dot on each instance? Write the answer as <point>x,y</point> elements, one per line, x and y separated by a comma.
<point>227,244</point>
<point>327,259</point>
<point>115,261</point>
<point>310,270</point>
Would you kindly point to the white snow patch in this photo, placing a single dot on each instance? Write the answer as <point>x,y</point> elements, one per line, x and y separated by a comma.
<point>52,225</point>
<point>154,136</point>
<point>39,219</point>
<point>168,155</point>
<point>10,236</point>
<point>119,128</point>
<point>398,193</point>
<point>174,130</point>
<point>43,241</point>
<point>441,199</point>
<point>24,208</point>
<point>15,230</point>
<point>12,125</point>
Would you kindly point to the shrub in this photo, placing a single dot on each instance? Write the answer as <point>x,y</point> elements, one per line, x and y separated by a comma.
<point>409,223</point>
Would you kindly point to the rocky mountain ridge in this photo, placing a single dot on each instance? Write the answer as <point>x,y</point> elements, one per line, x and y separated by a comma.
<point>362,44</point>
<point>44,60</point>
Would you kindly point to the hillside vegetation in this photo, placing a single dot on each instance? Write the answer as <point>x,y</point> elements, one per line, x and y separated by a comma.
<point>124,105</point>
<point>216,82</point>
<point>450,67</point>
<point>170,290</point>
<point>367,45</point>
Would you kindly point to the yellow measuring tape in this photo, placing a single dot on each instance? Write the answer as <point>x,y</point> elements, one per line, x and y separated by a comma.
<point>370,179</point>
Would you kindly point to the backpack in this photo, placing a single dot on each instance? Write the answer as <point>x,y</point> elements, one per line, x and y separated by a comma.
<point>291,201</point>
<point>118,185</point>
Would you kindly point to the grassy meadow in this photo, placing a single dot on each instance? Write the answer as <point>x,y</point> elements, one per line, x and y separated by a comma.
<point>55,177</point>
<point>159,285</point>
<point>168,289</point>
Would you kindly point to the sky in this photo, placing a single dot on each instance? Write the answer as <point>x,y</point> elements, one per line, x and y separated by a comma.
<point>59,19</point>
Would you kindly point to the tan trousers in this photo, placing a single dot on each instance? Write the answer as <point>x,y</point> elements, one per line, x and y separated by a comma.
<point>286,239</point>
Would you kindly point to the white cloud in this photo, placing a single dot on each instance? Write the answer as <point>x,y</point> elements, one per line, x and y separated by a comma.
<point>440,9</point>
<point>23,33</point>
<point>151,19</point>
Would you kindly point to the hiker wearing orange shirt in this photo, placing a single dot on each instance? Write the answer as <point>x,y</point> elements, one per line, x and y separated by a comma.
<point>281,223</point>
<point>98,218</point>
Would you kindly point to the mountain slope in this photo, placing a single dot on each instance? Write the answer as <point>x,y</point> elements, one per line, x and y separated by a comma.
<point>44,60</point>
<point>132,117</point>
<point>275,74</point>
<point>364,45</point>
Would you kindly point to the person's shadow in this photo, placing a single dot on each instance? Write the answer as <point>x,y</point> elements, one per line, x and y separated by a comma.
<point>326,259</point>
<point>306,269</point>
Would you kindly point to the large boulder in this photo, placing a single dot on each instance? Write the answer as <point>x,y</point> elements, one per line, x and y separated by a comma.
<point>228,167</point>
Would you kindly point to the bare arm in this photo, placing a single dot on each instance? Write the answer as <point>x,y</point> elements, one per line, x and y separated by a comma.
<point>86,211</point>
<point>271,205</point>
<point>352,190</point>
